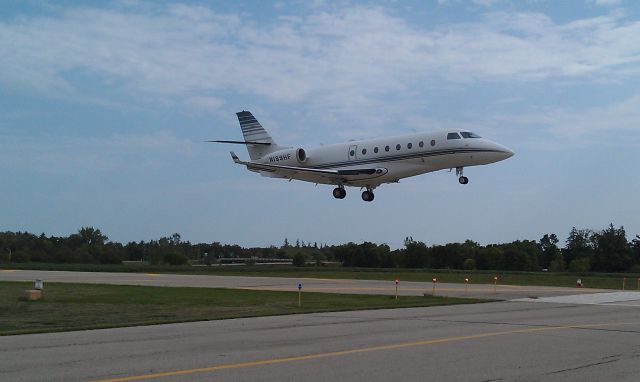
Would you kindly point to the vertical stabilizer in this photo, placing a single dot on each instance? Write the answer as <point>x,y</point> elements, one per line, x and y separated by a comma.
<point>253,131</point>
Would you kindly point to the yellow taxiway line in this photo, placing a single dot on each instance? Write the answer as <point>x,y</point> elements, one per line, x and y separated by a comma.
<point>355,351</point>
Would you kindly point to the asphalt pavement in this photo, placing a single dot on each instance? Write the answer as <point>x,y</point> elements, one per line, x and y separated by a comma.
<point>500,341</point>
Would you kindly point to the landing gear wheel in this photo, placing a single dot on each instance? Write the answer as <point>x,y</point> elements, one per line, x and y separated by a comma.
<point>463,180</point>
<point>339,193</point>
<point>367,196</point>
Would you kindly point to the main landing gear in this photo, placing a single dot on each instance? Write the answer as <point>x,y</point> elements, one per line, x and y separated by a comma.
<point>367,195</point>
<point>462,179</point>
<point>339,192</point>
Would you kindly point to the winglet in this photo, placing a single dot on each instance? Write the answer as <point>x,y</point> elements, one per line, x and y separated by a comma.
<point>235,158</point>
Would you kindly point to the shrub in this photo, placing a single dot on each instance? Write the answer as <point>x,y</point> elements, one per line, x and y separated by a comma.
<point>299,260</point>
<point>174,258</point>
<point>582,264</point>
<point>469,264</point>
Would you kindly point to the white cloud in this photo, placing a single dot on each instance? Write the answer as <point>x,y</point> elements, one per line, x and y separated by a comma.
<point>556,128</point>
<point>486,3</point>
<point>205,103</point>
<point>343,58</point>
<point>608,2</point>
<point>620,116</point>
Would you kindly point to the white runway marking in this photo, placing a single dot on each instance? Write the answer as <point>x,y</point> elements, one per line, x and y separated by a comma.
<point>612,298</point>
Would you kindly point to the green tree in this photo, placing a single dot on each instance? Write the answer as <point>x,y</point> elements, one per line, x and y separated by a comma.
<point>5,256</point>
<point>578,245</point>
<point>548,245</point>
<point>635,249</point>
<point>612,252</point>
<point>416,254</point>
<point>92,236</point>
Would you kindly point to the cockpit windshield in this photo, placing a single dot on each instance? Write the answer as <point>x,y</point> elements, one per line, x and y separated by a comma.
<point>453,136</point>
<point>468,134</point>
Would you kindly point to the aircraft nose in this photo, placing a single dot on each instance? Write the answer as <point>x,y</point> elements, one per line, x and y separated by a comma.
<point>504,152</point>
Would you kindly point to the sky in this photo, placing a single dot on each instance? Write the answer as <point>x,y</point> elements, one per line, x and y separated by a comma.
<point>105,107</point>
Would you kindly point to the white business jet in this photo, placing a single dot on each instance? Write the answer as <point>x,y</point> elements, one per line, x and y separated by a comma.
<point>368,163</point>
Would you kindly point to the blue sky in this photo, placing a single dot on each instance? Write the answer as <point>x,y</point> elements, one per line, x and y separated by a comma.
<point>104,107</point>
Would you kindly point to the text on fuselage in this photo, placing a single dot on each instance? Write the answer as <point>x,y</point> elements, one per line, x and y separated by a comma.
<point>278,158</point>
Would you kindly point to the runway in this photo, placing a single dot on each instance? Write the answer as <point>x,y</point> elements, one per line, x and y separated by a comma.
<point>538,333</point>
<point>501,341</point>
<point>501,292</point>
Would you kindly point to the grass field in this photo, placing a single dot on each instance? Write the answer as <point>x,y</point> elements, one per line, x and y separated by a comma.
<point>92,306</point>
<point>590,280</point>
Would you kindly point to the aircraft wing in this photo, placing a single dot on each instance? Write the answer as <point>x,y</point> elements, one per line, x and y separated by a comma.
<point>312,174</point>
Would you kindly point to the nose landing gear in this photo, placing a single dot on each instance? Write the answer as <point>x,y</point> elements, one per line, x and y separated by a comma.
<point>462,179</point>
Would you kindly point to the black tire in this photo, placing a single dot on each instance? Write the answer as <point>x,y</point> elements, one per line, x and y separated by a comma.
<point>339,193</point>
<point>367,196</point>
<point>463,180</point>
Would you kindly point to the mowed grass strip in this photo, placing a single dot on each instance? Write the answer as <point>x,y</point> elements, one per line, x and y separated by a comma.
<point>92,306</point>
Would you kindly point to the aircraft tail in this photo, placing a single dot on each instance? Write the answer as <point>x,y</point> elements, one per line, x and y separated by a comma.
<point>253,131</point>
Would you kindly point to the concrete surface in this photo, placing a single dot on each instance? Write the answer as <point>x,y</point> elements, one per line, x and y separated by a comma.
<point>503,292</point>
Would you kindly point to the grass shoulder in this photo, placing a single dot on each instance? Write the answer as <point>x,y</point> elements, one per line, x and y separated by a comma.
<point>66,307</point>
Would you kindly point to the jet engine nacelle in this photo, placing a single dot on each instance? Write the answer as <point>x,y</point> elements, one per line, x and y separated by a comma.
<point>287,157</point>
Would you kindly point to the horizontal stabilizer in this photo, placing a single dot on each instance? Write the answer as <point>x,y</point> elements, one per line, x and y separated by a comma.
<point>243,142</point>
<point>235,158</point>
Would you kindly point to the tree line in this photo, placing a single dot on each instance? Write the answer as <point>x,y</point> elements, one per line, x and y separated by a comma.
<point>607,250</point>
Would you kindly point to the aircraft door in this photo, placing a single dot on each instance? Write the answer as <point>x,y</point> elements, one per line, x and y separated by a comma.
<point>353,152</point>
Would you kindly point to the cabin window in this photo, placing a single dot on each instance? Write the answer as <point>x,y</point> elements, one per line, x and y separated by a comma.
<point>409,145</point>
<point>433,142</point>
<point>386,148</point>
<point>468,134</point>
<point>364,151</point>
<point>421,144</point>
<point>398,147</point>
<point>453,136</point>
<point>375,150</point>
